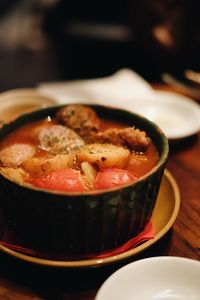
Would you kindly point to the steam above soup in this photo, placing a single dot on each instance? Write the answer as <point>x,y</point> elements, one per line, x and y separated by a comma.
<point>76,152</point>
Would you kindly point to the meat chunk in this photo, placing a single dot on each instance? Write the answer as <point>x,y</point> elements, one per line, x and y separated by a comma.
<point>130,137</point>
<point>58,139</point>
<point>104,155</point>
<point>108,136</point>
<point>41,166</point>
<point>80,118</point>
<point>135,139</point>
<point>14,155</point>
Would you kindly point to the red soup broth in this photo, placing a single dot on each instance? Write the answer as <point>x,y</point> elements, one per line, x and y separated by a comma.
<point>139,163</point>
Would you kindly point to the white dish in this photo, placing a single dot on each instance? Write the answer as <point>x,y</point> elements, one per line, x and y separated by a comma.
<point>156,278</point>
<point>178,116</point>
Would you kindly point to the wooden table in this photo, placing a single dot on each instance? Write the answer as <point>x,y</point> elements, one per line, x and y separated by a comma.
<point>23,281</point>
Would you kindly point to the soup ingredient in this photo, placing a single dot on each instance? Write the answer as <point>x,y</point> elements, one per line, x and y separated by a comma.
<point>41,166</point>
<point>130,137</point>
<point>14,155</point>
<point>89,174</point>
<point>80,118</point>
<point>104,155</point>
<point>16,174</point>
<point>112,177</point>
<point>67,180</point>
<point>58,139</point>
<point>135,139</point>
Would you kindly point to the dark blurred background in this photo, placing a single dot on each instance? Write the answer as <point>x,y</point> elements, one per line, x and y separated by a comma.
<point>45,40</point>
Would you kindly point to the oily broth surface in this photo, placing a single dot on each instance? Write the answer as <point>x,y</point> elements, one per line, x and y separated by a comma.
<point>139,163</point>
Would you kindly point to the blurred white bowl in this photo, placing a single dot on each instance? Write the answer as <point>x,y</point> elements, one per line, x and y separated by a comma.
<point>177,115</point>
<point>17,101</point>
<point>156,278</point>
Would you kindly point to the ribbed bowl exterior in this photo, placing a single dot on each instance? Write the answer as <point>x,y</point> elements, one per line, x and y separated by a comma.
<point>78,225</point>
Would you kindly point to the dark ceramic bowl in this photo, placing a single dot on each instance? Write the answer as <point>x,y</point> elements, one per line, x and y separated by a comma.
<point>79,224</point>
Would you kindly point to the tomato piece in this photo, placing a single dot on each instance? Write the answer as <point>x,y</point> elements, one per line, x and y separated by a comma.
<point>61,180</point>
<point>112,177</point>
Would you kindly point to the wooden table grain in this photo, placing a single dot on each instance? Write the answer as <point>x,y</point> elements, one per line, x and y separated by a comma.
<point>19,280</point>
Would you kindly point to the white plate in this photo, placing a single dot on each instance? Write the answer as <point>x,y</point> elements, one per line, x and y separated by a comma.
<point>178,116</point>
<point>157,278</point>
